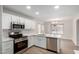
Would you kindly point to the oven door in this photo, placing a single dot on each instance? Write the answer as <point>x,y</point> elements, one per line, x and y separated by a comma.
<point>20,45</point>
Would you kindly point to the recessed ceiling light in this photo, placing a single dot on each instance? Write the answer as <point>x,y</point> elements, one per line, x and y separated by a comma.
<point>37,13</point>
<point>56,7</point>
<point>28,7</point>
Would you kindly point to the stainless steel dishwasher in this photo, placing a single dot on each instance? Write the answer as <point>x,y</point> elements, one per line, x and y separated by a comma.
<point>52,44</point>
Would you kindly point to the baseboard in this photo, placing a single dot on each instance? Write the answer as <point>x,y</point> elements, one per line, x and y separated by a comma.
<point>52,50</point>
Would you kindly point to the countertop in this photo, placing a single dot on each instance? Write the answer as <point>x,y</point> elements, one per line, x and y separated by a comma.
<point>39,35</point>
<point>45,35</point>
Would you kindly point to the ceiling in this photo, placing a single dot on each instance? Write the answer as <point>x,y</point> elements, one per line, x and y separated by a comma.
<point>47,12</point>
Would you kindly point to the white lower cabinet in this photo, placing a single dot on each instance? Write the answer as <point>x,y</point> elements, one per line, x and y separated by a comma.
<point>7,47</point>
<point>31,41</point>
<point>40,41</point>
<point>37,40</point>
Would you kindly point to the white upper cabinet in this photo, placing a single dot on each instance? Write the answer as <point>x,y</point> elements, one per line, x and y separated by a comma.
<point>29,24</point>
<point>22,20</point>
<point>6,19</point>
<point>15,19</point>
<point>33,23</point>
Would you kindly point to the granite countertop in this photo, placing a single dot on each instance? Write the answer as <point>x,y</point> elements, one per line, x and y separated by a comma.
<point>54,36</point>
<point>39,35</point>
<point>45,35</point>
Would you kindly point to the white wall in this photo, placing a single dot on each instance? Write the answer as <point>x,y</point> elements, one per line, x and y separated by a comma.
<point>68,29</point>
<point>78,32</point>
<point>75,30</point>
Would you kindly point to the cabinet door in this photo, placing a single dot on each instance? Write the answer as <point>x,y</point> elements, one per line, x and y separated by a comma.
<point>41,42</point>
<point>6,19</point>
<point>22,20</point>
<point>38,41</point>
<point>32,25</point>
<point>29,24</point>
<point>31,41</point>
<point>7,47</point>
<point>15,19</point>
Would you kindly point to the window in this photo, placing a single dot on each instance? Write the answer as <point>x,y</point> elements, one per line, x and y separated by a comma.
<point>57,28</point>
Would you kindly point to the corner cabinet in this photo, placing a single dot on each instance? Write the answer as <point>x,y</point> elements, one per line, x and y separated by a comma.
<point>31,41</point>
<point>37,40</point>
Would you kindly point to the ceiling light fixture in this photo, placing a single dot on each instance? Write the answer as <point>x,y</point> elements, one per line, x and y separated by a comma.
<point>28,7</point>
<point>57,7</point>
<point>37,13</point>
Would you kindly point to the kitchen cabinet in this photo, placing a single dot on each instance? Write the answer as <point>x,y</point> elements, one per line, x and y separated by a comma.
<point>31,40</point>
<point>40,41</point>
<point>33,24</point>
<point>22,20</point>
<point>6,19</point>
<point>29,24</point>
<point>15,19</point>
<point>7,47</point>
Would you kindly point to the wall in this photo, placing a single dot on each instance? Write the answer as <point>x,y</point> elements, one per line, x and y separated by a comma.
<point>68,29</point>
<point>75,30</point>
<point>0,29</point>
<point>78,32</point>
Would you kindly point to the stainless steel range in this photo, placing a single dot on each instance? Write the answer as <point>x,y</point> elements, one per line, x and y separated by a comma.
<point>20,42</point>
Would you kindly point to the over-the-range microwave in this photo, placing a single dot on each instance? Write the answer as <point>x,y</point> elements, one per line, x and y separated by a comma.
<point>17,26</point>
